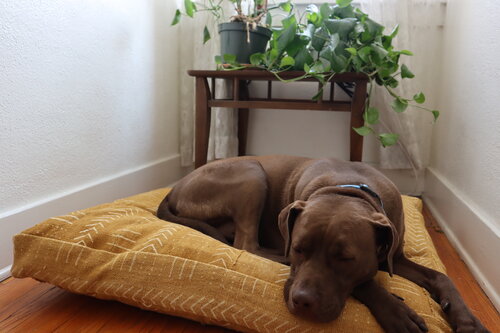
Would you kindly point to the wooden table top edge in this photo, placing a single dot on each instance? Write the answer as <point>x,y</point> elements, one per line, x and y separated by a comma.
<point>260,74</point>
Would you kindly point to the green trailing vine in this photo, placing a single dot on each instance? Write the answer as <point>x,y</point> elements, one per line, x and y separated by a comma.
<point>333,38</point>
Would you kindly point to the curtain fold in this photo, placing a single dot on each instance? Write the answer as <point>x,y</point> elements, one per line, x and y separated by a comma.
<point>223,142</point>
<point>193,54</point>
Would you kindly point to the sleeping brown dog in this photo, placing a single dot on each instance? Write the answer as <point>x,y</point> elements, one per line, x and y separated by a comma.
<point>336,222</point>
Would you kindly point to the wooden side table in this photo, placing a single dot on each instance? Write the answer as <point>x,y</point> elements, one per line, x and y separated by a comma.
<point>241,100</point>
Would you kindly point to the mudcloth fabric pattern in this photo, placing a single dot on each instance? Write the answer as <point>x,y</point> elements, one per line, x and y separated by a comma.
<point>122,251</point>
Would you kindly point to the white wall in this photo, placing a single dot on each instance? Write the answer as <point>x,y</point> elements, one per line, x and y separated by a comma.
<point>299,132</point>
<point>88,106</point>
<point>463,181</point>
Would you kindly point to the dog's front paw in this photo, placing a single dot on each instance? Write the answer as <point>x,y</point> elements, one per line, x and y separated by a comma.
<point>461,319</point>
<point>468,324</point>
<point>396,317</point>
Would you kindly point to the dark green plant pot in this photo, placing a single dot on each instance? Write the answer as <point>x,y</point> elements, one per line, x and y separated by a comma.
<point>233,38</point>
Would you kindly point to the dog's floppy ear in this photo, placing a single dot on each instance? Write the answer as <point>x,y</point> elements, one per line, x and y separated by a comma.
<point>387,239</point>
<point>286,221</point>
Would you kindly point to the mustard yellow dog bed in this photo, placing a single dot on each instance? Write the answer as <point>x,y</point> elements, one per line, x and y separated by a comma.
<point>122,251</point>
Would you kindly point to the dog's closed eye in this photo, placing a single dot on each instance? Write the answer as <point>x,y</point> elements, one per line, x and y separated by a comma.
<point>345,255</point>
<point>298,250</point>
<point>343,258</point>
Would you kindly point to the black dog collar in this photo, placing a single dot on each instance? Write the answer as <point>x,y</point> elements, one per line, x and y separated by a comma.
<point>367,189</point>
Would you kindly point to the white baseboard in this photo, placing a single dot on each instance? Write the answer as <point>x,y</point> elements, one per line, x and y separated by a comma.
<point>471,232</point>
<point>5,273</point>
<point>147,177</point>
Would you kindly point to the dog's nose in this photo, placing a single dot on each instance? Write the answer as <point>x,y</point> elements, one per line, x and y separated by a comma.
<point>303,299</point>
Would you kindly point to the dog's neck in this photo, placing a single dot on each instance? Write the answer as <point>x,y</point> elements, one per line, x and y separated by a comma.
<point>362,191</point>
<point>367,189</point>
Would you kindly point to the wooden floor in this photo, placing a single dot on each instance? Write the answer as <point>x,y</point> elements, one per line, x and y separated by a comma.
<point>30,306</point>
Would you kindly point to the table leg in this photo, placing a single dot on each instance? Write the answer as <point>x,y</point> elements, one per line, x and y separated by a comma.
<point>243,120</point>
<point>202,122</point>
<point>357,110</point>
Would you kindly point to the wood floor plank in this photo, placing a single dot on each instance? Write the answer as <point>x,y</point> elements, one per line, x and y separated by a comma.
<point>30,306</point>
<point>48,308</point>
<point>11,294</point>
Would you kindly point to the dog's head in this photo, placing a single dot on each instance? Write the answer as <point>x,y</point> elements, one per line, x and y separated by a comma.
<point>331,251</point>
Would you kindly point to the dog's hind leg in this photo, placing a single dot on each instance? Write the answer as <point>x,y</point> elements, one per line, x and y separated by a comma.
<point>248,193</point>
<point>166,214</point>
<point>233,190</point>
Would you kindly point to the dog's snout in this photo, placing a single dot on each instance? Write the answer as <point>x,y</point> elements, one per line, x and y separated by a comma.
<point>303,299</point>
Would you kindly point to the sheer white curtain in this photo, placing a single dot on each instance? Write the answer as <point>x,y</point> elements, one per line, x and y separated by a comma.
<point>193,54</point>
<point>421,31</point>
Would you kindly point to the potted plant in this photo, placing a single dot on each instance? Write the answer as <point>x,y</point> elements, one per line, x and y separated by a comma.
<point>334,38</point>
<point>244,34</point>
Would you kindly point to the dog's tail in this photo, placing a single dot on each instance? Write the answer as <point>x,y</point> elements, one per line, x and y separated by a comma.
<point>164,212</point>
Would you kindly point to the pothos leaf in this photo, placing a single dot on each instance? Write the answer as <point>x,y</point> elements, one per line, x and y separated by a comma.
<point>295,46</point>
<point>269,19</point>
<point>206,35</point>
<point>351,50</point>
<point>341,26</point>
<point>435,113</point>
<point>406,52</point>
<point>325,11</point>
<point>406,73</point>
<point>419,98</point>
<point>177,17</point>
<point>394,31</point>
<point>373,27</point>
<point>343,3</point>
<point>307,69</point>
<point>343,12</point>
<point>308,32</point>
<point>388,139</point>
<point>399,105</point>
<point>313,14</point>
<point>287,61</point>
<point>256,58</point>
<point>363,130</point>
<point>287,35</point>
<point>229,58</point>
<point>371,115</point>
<point>379,52</point>
<point>338,63</point>
<point>364,52</point>
<point>302,58</point>
<point>190,7</point>
<point>289,21</point>
<point>319,38</point>
<point>286,6</point>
